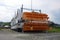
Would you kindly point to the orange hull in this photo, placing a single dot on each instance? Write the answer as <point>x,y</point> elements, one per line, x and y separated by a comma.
<point>35,26</point>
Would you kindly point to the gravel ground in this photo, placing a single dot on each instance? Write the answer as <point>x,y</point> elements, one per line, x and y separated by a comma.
<point>11,35</point>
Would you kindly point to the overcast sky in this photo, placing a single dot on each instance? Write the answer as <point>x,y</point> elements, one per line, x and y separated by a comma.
<point>50,7</point>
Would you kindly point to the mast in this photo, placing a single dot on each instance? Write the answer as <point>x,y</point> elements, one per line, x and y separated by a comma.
<point>31,4</point>
<point>31,10</point>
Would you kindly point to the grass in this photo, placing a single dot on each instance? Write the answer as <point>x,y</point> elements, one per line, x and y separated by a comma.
<point>0,28</point>
<point>54,29</point>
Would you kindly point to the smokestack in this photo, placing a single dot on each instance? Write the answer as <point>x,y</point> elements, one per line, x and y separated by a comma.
<point>22,8</point>
<point>40,11</point>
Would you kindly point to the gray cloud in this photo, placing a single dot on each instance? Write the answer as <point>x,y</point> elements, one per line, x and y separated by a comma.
<point>56,16</point>
<point>9,7</point>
